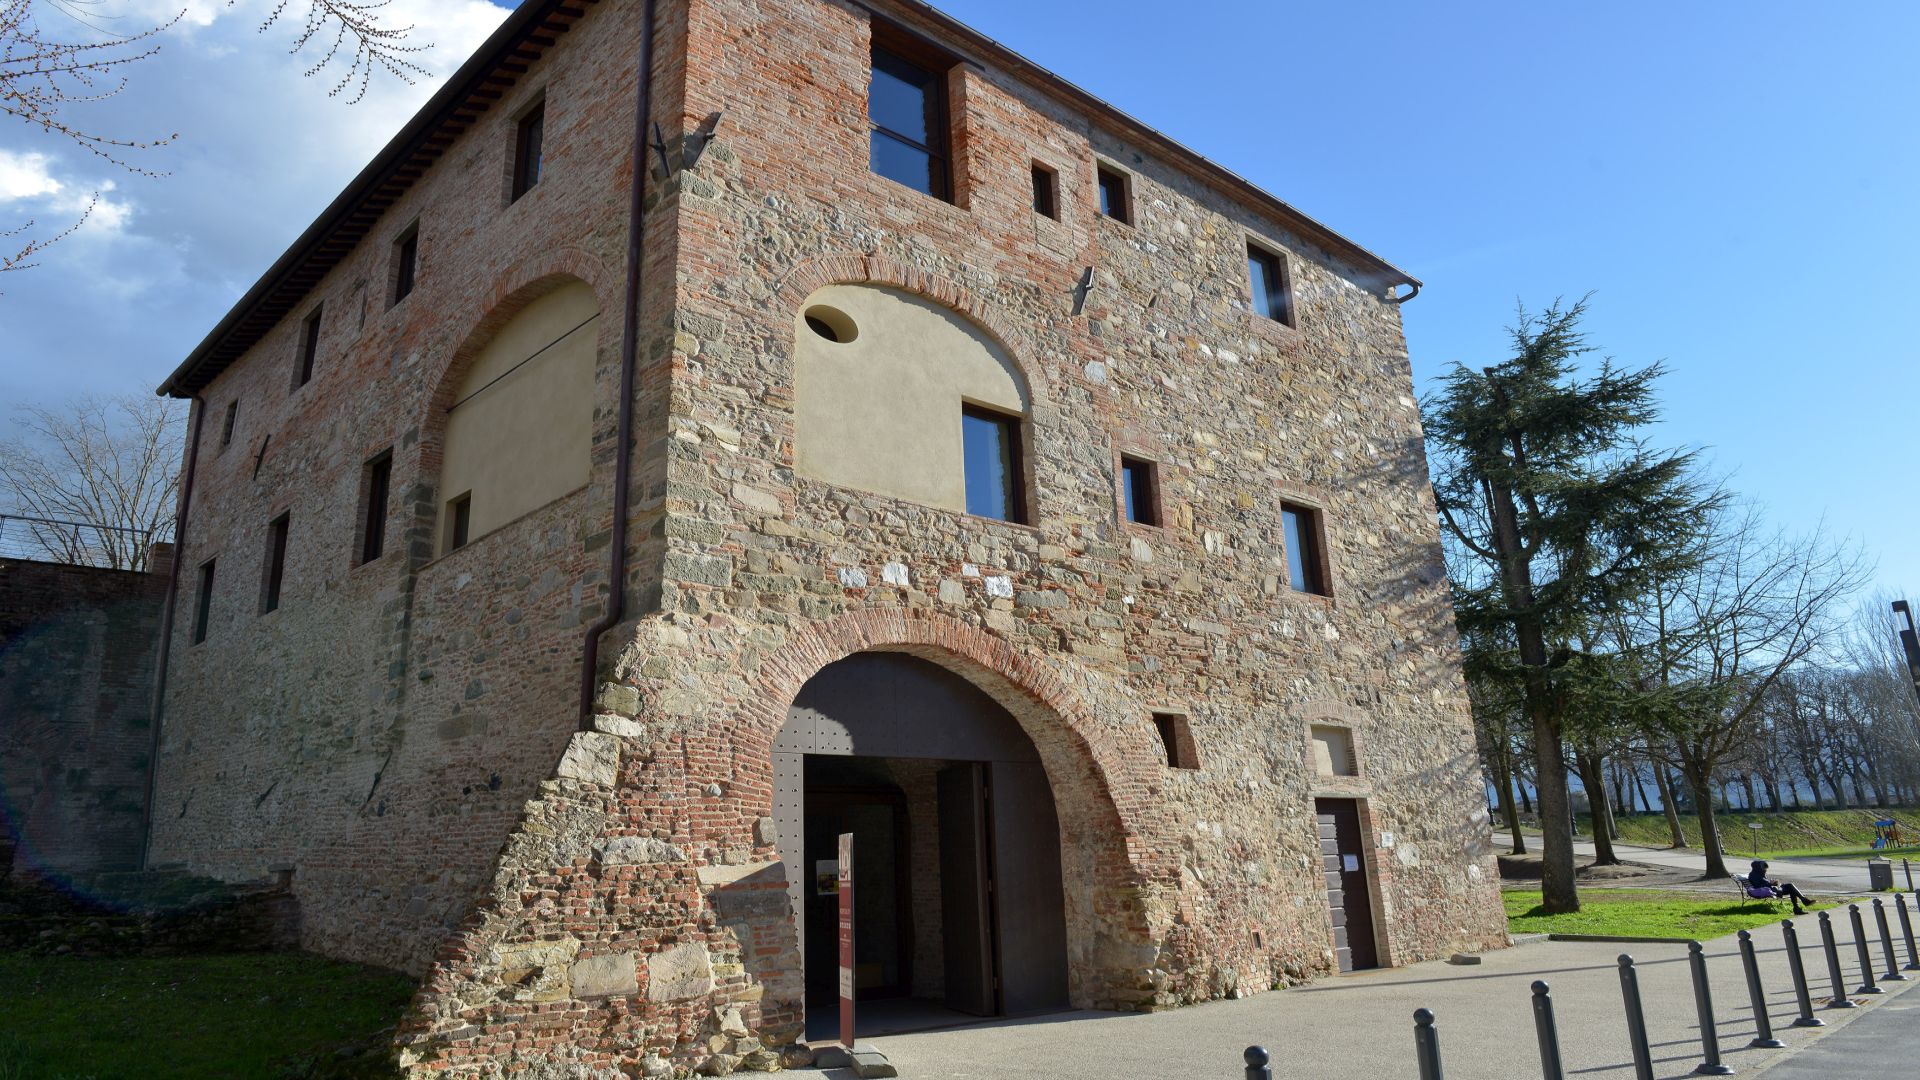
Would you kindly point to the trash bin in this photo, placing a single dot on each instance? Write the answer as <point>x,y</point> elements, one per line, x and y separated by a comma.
<point>1879,874</point>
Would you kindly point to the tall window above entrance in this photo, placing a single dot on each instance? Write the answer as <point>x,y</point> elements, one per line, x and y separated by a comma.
<point>906,104</point>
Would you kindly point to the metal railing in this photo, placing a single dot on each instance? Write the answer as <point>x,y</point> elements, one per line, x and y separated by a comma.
<point>1426,1031</point>
<point>78,543</point>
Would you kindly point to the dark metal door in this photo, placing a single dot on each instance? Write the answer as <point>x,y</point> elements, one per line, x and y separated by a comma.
<point>1029,903</point>
<point>966,916</point>
<point>1349,898</point>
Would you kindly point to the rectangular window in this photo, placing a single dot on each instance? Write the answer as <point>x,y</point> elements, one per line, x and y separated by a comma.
<point>309,348</point>
<point>406,256</point>
<point>1113,195</point>
<point>906,104</point>
<point>1306,571</point>
<point>375,481</point>
<point>1045,190</point>
<point>203,602</point>
<point>991,459</point>
<point>1333,751</point>
<point>276,564</point>
<point>1176,737</point>
<point>459,521</point>
<point>1138,490</point>
<point>526,149</point>
<point>226,428</point>
<point>1269,279</point>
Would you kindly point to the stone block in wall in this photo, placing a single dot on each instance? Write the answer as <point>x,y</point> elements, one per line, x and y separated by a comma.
<point>679,972</point>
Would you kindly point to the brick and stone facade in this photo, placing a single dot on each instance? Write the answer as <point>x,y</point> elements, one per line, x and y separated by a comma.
<point>404,734</point>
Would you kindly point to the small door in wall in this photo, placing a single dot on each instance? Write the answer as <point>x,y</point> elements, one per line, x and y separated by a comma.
<point>1349,893</point>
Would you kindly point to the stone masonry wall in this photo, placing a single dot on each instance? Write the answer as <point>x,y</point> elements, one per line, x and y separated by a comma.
<point>76,698</point>
<point>636,923</point>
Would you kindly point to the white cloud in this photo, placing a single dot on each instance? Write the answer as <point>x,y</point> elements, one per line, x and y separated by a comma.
<point>24,176</point>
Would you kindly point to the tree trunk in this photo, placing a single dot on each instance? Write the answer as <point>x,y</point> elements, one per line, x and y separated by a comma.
<point>1640,788</point>
<point>1773,791</point>
<point>1559,894</point>
<point>1746,789</point>
<point>1702,786</point>
<point>1526,804</point>
<point>1509,807</point>
<point>1593,778</point>
<point>1678,835</point>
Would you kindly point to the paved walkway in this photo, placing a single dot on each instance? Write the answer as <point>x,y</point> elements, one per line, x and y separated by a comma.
<point>1359,1027</point>
<point>1847,876</point>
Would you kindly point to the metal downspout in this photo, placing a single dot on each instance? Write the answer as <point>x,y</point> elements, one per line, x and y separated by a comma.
<point>629,351</point>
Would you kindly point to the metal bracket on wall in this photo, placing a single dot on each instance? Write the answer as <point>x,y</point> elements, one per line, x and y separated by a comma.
<point>696,141</point>
<point>659,143</point>
<point>1081,291</point>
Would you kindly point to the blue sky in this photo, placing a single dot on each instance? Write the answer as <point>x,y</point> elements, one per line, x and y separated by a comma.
<point>1735,183</point>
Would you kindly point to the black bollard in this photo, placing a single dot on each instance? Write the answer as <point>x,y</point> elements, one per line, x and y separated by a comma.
<point>1886,943</point>
<point>1763,1037</point>
<point>1636,1020</point>
<point>1867,985</point>
<point>1906,931</point>
<point>1258,1060</point>
<point>1908,867</point>
<point>1426,1044</point>
<point>1703,1006</point>
<point>1548,1032</point>
<point>1839,999</point>
<point>1799,969</point>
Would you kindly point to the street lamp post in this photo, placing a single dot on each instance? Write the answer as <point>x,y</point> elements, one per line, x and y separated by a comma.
<point>1909,642</point>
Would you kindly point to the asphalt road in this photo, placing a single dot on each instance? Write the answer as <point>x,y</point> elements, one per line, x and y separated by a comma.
<point>1880,1043</point>
<point>1811,875</point>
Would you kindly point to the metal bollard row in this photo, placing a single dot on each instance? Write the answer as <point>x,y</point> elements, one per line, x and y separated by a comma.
<point>1802,996</point>
<point>1763,1024</point>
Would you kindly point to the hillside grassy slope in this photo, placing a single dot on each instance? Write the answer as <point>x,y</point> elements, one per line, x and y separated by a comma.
<point>1790,832</point>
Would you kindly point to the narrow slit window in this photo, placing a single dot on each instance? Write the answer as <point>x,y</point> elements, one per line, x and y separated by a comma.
<point>1139,490</point>
<point>1306,556</point>
<point>1046,201</point>
<point>309,348</point>
<point>1268,276</point>
<point>406,257</point>
<point>276,569</point>
<point>991,460</point>
<point>906,104</point>
<point>1113,195</point>
<point>1176,739</point>
<point>528,136</point>
<point>203,602</point>
<point>377,479</point>
<point>459,521</point>
<point>226,428</point>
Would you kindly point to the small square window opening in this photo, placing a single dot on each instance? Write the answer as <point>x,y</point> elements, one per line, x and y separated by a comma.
<point>1306,565</point>
<point>991,463</point>
<point>1333,751</point>
<point>1268,276</point>
<point>1046,183</point>
<point>1139,490</point>
<point>276,569</point>
<point>1113,195</point>
<point>528,136</point>
<point>1176,738</point>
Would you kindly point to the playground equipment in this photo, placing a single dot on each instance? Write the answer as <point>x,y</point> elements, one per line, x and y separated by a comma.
<point>1888,833</point>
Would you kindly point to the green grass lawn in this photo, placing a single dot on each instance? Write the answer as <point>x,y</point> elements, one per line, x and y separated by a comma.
<point>251,1016</point>
<point>1644,913</point>
<point>1832,833</point>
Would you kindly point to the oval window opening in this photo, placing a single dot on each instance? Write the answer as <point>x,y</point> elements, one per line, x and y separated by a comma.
<point>831,323</point>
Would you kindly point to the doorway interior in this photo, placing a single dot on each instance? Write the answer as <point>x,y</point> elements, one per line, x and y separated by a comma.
<point>959,912</point>
<point>1349,889</point>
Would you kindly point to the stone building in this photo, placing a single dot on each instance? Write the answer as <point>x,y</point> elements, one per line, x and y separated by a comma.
<point>948,459</point>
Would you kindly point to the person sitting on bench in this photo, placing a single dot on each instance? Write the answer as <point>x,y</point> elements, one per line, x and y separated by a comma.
<point>1760,888</point>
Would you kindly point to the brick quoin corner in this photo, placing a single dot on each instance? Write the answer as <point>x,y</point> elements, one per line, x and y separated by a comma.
<point>401,734</point>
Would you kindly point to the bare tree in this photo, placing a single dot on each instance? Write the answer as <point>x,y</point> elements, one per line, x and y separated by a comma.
<point>1760,603</point>
<point>110,465</point>
<point>45,72</point>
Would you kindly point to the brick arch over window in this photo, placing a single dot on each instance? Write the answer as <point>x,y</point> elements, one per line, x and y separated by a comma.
<point>812,275</point>
<point>511,293</point>
<point>1105,777</point>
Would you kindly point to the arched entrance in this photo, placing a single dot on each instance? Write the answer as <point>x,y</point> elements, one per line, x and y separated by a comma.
<point>959,906</point>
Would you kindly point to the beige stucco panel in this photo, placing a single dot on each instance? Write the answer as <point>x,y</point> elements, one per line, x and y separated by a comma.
<point>882,412</point>
<point>519,436</point>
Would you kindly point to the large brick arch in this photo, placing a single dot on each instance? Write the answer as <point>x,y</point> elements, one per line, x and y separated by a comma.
<point>1105,775</point>
<point>811,275</point>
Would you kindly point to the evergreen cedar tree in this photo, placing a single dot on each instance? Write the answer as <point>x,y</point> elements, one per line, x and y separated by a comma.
<point>1561,513</point>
